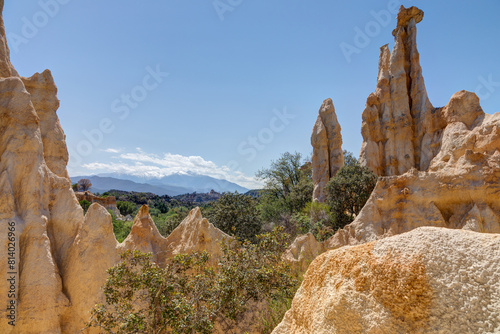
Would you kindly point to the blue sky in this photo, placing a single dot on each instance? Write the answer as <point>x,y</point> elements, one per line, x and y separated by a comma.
<point>223,87</point>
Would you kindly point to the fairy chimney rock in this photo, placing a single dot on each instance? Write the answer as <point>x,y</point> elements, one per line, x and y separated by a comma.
<point>401,129</point>
<point>326,141</point>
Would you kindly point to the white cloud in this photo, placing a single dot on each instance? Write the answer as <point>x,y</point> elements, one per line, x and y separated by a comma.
<point>111,150</point>
<point>155,166</point>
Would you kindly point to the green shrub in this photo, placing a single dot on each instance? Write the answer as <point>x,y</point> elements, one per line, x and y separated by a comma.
<point>85,205</point>
<point>189,294</point>
<point>348,192</point>
<point>288,187</point>
<point>126,208</point>
<point>236,214</point>
<point>275,313</point>
<point>121,229</point>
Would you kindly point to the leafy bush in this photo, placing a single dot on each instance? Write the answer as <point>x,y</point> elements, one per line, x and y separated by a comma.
<point>85,205</point>
<point>276,311</point>
<point>348,191</point>
<point>126,208</point>
<point>236,214</point>
<point>121,229</point>
<point>162,206</point>
<point>190,295</point>
<point>288,187</point>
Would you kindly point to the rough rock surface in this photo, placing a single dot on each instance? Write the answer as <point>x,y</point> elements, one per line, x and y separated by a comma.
<point>43,93</point>
<point>444,168</point>
<point>195,234</point>
<point>460,194</point>
<point>55,258</point>
<point>109,202</point>
<point>93,251</point>
<point>327,157</point>
<point>6,68</point>
<point>401,129</point>
<point>429,280</point>
<point>302,251</point>
<point>43,210</point>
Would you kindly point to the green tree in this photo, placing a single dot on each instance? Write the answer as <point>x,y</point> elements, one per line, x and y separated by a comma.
<point>189,294</point>
<point>288,186</point>
<point>84,184</point>
<point>349,190</point>
<point>121,228</point>
<point>126,208</point>
<point>162,206</point>
<point>236,214</point>
<point>74,186</point>
<point>349,159</point>
<point>85,205</point>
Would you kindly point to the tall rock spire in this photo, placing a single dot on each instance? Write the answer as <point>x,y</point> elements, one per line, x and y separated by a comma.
<point>326,141</point>
<point>399,129</point>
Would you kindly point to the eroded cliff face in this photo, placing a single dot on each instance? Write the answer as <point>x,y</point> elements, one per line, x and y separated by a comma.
<point>327,157</point>
<point>39,207</point>
<point>55,258</point>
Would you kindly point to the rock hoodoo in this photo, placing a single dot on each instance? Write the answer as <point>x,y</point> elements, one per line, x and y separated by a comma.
<point>327,157</point>
<point>401,129</point>
<point>54,258</point>
<point>440,166</point>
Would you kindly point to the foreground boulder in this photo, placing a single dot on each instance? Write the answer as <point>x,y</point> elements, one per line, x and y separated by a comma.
<point>429,280</point>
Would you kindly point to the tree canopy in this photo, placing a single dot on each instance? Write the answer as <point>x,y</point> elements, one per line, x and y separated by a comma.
<point>84,184</point>
<point>349,190</point>
<point>288,185</point>
<point>236,214</point>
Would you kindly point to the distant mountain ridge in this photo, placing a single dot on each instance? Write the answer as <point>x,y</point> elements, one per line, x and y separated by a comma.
<point>172,185</point>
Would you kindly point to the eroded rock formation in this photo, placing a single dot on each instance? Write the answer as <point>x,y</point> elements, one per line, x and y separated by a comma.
<point>327,157</point>
<point>430,280</point>
<point>303,250</point>
<point>443,163</point>
<point>109,202</point>
<point>401,129</point>
<point>36,203</point>
<point>54,259</point>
